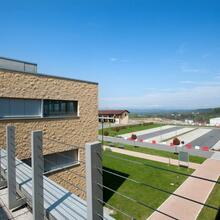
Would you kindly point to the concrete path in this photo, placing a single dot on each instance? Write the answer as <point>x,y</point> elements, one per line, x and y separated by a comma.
<point>192,188</point>
<point>194,152</point>
<point>150,157</point>
<point>147,131</point>
<point>216,156</point>
<point>216,146</point>
<point>5,214</point>
<point>189,137</point>
<point>172,134</point>
<point>209,139</point>
<point>158,133</point>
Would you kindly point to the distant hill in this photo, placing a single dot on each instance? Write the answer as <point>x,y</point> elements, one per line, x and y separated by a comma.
<point>198,115</point>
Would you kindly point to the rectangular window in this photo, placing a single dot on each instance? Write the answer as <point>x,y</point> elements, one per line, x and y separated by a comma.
<point>28,108</point>
<point>10,107</point>
<point>60,108</point>
<point>58,161</point>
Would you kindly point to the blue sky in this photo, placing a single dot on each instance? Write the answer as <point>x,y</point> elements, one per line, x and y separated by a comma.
<point>144,54</point>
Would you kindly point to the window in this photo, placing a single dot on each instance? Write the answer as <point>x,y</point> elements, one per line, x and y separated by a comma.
<point>58,161</point>
<point>10,107</point>
<point>60,108</point>
<point>28,108</point>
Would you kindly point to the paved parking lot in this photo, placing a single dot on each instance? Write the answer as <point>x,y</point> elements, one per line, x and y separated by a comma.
<point>209,139</point>
<point>201,137</point>
<point>158,133</point>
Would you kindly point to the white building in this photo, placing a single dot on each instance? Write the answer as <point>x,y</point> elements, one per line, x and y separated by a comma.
<point>214,121</point>
<point>114,116</point>
<point>189,122</point>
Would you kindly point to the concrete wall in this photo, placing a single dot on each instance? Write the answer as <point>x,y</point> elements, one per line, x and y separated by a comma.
<point>75,131</point>
<point>124,118</point>
<point>214,121</point>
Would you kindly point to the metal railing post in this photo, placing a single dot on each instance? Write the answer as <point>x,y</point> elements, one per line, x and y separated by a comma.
<point>93,177</point>
<point>37,175</point>
<point>13,202</point>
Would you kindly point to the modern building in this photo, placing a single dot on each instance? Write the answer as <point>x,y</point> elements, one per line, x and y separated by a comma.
<point>114,116</point>
<point>214,121</point>
<point>65,109</point>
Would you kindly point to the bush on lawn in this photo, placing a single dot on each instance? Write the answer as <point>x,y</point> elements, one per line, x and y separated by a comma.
<point>133,136</point>
<point>148,123</point>
<point>106,133</point>
<point>176,141</point>
<point>117,129</point>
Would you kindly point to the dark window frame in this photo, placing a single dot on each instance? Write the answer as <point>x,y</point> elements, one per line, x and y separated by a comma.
<point>55,108</point>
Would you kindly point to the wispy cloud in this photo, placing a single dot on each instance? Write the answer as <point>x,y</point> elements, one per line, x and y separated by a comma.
<point>182,48</point>
<point>217,76</point>
<point>201,83</point>
<point>185,68</point>
<point>114,59</point>
<point>206,55</point>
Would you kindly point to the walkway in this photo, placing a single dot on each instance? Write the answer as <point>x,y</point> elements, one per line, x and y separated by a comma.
<point>59,203</point>
<point>192,188</point>
<point>194,152</point>
<point>22,213</point>
<point>150,157</point>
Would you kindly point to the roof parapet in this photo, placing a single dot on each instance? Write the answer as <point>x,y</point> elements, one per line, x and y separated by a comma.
<point>17,65</point>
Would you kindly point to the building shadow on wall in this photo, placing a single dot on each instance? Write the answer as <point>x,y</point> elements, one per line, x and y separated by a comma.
<point>112,181</point>
<point>217,217</point>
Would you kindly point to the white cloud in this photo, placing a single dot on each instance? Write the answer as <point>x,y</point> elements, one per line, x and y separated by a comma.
<point>196,97</point>
<point>217,76</point>
<point>200,83</point>
<point>186,68</point>
<point>182,48</point>
<point>113,59</point>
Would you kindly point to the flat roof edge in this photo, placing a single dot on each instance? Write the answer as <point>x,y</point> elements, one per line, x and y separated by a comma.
<point>52,76</point>
<point>22,61</point>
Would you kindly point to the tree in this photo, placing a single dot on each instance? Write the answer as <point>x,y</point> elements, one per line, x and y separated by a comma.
<point>176,141</point>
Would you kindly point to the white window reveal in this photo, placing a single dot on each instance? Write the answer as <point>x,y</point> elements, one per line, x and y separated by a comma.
<point>61,160</point>
<point>58,161</point>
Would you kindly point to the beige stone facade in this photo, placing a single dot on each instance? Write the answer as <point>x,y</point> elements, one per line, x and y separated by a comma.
<point>59,134</point>
<point>124,118</point>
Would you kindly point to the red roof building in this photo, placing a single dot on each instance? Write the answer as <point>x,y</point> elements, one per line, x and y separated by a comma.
<point>114,116</point>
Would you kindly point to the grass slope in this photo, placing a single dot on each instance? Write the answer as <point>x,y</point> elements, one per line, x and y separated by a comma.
<point>159,178</point>
<point>128,129</point>
<point>161,153</point>
<point>214,200</point>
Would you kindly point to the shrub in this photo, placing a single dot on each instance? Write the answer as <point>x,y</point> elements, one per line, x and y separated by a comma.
<point>106,133</point>
<point>133,136</point>
<point>148,123</point>
<point>176,141</point>
<point>117,129</point>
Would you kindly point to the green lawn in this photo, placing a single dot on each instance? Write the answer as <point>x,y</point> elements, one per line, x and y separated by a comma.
<point>213,200</point>
<point>167,154</point>
<point>140,172</point>
<point>127,129</point>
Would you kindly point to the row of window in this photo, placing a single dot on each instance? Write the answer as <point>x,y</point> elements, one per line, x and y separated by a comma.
<point>15,108</point>
<point>57,161</point>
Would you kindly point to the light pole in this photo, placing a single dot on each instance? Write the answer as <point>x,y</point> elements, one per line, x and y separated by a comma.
<point>102,121</point>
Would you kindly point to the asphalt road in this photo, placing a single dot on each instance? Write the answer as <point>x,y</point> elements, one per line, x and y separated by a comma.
<point>200,153</point>
<point>209,139</point>
<point>158,133</point>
